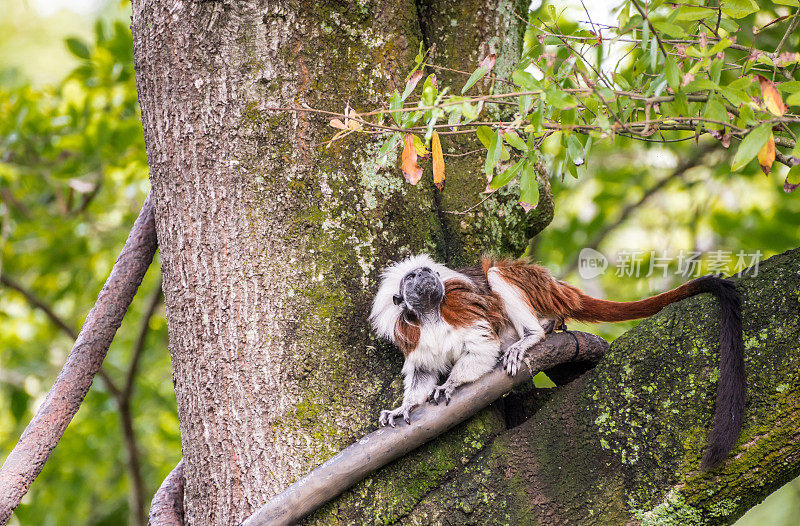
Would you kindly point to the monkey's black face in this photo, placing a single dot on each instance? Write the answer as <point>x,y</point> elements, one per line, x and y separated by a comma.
<point>421,292</point>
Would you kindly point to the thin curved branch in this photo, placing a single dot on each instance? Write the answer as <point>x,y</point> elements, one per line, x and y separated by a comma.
<point>124,401</point>
<point>167,506</point>
<point>386,444</point>
<point>37,302</point>
<point>28,457</point>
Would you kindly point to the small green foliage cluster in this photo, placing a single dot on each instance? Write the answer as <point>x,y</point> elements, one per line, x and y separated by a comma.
<point>667,72</point>
<point>73,176</point>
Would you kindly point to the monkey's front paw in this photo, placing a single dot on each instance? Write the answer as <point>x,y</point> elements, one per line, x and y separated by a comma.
<point>513,359</point>
<point>442,392</point>
<point>387,416</point>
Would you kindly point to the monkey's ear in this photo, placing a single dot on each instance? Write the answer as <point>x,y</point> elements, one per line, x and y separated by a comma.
<point>397,299</point>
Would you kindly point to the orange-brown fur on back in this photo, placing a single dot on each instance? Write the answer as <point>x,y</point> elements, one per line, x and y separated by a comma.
<point>549,297</point>
<point>465,303</point>
<point>546,296</point>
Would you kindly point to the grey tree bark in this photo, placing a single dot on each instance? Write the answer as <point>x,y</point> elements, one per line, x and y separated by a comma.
<point>271,245</point>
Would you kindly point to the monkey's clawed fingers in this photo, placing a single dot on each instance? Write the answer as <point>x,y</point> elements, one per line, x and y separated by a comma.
<point>387,416</point>
<point>512,359</point>
<point>442,392</point>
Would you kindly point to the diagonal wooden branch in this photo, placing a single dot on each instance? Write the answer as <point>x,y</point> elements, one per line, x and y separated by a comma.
<point>28,457</point>
<point>387,444</point>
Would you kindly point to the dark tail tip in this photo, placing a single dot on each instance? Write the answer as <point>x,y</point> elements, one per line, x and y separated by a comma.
<point>729,412</point>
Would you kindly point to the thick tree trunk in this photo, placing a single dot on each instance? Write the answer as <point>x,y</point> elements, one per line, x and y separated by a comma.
<point>270,245</point>
<point>622,444</point>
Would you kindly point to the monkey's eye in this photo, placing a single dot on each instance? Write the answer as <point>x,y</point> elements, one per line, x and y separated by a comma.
<point>397,299</point>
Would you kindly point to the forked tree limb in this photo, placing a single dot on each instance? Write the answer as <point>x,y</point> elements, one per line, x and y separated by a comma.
<point>167,506</point>
<point>428,421</point>
<point>28,457</point>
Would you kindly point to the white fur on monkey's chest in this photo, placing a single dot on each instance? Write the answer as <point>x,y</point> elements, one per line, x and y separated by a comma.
<point>440,346</point>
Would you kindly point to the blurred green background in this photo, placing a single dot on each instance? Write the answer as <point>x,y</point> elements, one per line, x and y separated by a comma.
<point>73,174</point>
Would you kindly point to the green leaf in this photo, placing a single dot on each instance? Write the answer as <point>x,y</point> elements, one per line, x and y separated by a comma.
<point>794,175</point>
<point>493,154</point>
<point>723,44</point>
<point>670,29</point>
<point>529,185</point>
<point>396,103</point>
<point>645,36</point>
<point>515,141</point>
<point>475,77</point>
<point>716,111</point>
<point>502,179</point>
<point>747,116</point>
<point>525,80</point>
<point>485,135</point>
<point>575,150</point>
<point>525,103</point>
<point>389,144</point>
<point>793,99</point>
<point>560,100</point>
<point>654,53</point>
<point>715,70</point>
<point>671,72</point>
<point>739,8</point>
<point>790,3</point>
<point>429,90</point>
<point>692,13</point>
<point>469,111</point>
<point>455,116</point>
<point>752,143</point>
<point>793,86</point>
<point>700,84</point>
<point>77,47</point>
<point>537,117</point>
<point>792,179</point>
<point>729,25</point>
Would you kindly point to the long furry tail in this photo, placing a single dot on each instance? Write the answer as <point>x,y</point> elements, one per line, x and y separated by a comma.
<point>729,411</point>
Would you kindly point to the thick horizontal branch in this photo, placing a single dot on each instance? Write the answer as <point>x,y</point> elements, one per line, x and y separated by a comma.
<point>166,508</point>
<point>44,431</point>
<point>387,444</point>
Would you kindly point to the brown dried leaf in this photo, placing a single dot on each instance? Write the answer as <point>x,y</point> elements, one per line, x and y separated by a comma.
<point>438,161</point>
<point>772,99</point>
<point>411,170</point>
<point>488,61</point>
<point>413,80</point>
<point>766,156</point>
<point>353,124</point>
<point>339,125</point>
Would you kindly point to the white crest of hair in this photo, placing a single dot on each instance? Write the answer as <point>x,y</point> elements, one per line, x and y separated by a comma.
<point>385,313</point>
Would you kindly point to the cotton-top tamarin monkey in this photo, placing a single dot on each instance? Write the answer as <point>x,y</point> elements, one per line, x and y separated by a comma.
<point>462,321</point>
